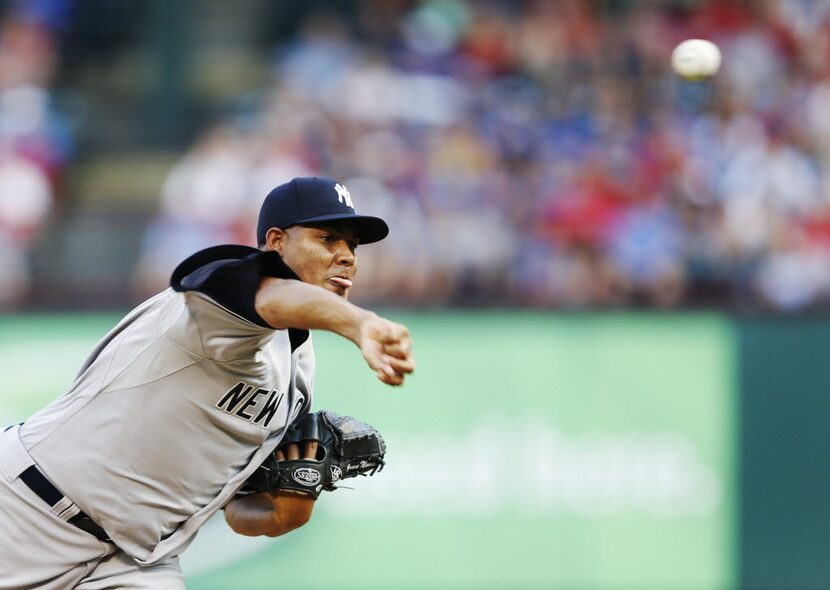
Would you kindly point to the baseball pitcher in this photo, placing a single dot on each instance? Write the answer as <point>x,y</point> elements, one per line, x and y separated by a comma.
<point>199,400</point>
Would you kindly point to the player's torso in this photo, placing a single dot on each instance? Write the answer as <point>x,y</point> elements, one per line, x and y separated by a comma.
<point>171,408</point>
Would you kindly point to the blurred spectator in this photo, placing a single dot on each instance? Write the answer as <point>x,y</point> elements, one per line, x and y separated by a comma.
<point>542,153</point>
<point>25,199</point>
<point>34,142</point>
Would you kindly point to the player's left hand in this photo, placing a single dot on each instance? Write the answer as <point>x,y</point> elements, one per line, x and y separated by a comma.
<point>292,451</point>
<point>317,453</point>
<point>273,512</point>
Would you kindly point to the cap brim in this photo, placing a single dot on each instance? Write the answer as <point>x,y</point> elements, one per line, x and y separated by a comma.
<point>369,229</point>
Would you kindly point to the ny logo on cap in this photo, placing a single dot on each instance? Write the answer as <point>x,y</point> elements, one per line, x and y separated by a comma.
<point>343,195</point>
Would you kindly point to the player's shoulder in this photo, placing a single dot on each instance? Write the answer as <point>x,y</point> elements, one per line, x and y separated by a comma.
<point>230,274</point>
<point>227,259</point>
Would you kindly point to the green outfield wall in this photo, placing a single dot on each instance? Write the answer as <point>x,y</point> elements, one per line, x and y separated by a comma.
<point>785,467</point>
<point>596,451</point>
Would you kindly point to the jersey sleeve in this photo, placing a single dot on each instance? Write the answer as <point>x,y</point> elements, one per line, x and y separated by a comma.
<point>230,275</point>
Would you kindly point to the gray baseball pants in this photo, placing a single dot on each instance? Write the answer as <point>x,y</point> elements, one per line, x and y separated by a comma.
<point>39,549</point>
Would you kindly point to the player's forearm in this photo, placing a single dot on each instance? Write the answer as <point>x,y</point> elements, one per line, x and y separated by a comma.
<point>252,516</point>
<point>293,304</point>
<point>264,514</point>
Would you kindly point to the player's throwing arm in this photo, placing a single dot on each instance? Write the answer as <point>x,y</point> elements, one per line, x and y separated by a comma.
<point>386,346</point>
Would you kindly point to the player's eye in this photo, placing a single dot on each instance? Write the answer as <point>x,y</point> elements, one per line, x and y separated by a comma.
<point>327,238</point>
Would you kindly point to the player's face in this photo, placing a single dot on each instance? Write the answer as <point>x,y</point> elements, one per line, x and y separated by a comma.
<point>323,255</point>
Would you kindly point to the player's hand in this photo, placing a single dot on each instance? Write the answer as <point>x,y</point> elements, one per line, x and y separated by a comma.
<point>293,510</point>
<point>273,513</point>
<point>387,348</point>
<point>292,452</point>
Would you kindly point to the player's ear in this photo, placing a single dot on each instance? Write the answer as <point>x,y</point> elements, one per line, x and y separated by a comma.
<point>275,239</point>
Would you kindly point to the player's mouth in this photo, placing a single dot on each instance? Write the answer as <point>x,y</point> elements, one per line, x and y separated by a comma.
<point>341,282</point>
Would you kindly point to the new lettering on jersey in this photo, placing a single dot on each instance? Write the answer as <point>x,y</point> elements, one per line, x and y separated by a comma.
<point>253,403</point>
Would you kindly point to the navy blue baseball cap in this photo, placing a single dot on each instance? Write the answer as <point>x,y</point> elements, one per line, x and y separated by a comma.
<point>311,200</point>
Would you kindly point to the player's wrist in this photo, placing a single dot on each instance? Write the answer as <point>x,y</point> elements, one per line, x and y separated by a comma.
<point>360,327</point>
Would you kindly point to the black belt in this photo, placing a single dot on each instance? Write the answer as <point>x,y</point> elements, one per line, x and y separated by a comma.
<point>52,495</point>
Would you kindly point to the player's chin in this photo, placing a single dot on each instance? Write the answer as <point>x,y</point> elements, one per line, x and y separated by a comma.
<point>337,289</point>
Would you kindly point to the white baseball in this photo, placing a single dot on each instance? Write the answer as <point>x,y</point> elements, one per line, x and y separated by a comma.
<point>696,58</point>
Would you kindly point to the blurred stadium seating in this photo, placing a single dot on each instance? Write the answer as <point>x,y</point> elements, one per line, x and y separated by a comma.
<point>527,153</point>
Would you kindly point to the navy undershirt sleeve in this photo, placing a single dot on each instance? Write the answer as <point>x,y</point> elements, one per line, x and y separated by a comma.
<point>231,275</point>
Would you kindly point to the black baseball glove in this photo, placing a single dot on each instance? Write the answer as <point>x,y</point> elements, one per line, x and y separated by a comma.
<point>347,448</point>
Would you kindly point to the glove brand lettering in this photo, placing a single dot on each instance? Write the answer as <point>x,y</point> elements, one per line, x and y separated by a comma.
<point>336,473</point>
<point>306,476</point>
<point>246,401</point>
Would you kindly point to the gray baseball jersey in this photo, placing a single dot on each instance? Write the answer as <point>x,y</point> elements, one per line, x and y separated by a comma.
<point>176,406</point>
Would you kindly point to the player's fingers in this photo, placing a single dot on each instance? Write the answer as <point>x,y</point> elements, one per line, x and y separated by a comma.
<point>401,349</point>
<point>390,377</point>
<point>311,449</point>
<point>401,365</point>
<point>280,455</point>
<point>381,364</point>
<point>392,333</point>
<point>292,452</point>
<point>374,357</point>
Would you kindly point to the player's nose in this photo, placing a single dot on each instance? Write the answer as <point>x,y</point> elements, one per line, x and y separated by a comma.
<point>344,254</point>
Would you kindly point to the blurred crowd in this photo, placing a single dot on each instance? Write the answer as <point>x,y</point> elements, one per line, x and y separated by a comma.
<point>35,142</point>
<point>541,153</point>
<point>531,153</point>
